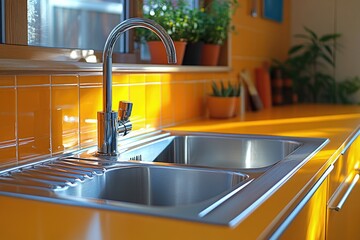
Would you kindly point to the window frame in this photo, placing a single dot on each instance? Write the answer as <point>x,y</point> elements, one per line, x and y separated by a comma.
<point>15,42</point>
<point>15,33</point>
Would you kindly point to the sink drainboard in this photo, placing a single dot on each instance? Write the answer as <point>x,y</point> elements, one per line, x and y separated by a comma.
<point>54,175</point>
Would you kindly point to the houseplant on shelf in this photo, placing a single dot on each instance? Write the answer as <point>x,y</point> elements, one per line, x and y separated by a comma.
<point>217,24</point>
<point>193,33</point>
<point>173,17</point>
<point>224,100</point>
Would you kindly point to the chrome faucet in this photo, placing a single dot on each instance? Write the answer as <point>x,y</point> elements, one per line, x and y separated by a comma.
<point>110,123</point>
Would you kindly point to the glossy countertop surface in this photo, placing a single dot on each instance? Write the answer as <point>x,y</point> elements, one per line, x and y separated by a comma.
<point>337,123</point>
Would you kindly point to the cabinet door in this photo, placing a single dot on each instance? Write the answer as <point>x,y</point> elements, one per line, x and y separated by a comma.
<point>344,204</point>
<point>311,221</point>
<point>307,219</point>
<point>344,223</point>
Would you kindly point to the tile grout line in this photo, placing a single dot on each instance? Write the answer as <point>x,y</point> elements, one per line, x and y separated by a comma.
<point>161,107</point>
<point>16,123</point>
<point>79,110</point>
<point>51,116</point>
<point>78,105</point>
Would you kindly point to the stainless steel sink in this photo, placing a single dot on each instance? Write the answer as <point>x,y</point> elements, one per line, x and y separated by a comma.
<point>205,177</point>
<point>215,150</point>
<point>157,185</point>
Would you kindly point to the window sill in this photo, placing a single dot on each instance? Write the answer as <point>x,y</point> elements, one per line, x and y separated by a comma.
<point>15,65</point>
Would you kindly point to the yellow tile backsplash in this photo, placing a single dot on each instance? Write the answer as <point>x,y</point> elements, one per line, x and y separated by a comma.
<point>65,79</point>
<point>33,121</point>
<point>47,115</point>
<point>7,120</point>
<point>32,80</point>
<point>152,105</point>
<point>64,113</point>
<point>137,97</point>
<point>167,105</point>
<point>137,78</point>
<point>7,81</point>
<point>90,103</point>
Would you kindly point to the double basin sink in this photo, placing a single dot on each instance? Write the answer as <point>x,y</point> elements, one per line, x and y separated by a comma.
<point>206,177</point>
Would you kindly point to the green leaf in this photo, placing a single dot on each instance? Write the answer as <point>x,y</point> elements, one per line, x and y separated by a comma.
<point>328,49</point>
<point>227,92</point>
<point>222,88</point>
<point>328,60</point>
<point>295,49</point>
<point>216,91</point>
<point>312,33</point>
<point>347,88</point>
<point>328,37</point>
<point>230,90</point>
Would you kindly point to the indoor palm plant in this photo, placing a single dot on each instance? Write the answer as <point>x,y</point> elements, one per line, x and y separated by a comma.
<point>224,100</point>
<point>311,64</point>
<point>173,17</point>
<point>217,24</point>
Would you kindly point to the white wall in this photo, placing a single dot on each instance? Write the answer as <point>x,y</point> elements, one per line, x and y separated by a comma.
<point>330,16</point>
<point>348,24</point>
<point>318,15</point>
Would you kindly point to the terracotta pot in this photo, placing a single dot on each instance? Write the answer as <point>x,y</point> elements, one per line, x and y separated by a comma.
<point>210,55</point>
<point>221,107</point>
<point>238,109</point>
<point>158,53</point>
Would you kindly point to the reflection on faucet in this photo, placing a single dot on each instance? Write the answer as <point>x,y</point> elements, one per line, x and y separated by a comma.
<point>108,123</point>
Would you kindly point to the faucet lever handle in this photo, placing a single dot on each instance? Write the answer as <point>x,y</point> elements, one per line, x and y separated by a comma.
<point>124,110</point>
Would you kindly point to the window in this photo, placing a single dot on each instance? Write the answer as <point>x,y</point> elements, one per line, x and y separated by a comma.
<point>65,25</point>
<point>79,24</point>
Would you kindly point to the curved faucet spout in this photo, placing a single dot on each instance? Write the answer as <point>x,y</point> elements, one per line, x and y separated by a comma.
<point>109,48</point>
<point>108,119</point>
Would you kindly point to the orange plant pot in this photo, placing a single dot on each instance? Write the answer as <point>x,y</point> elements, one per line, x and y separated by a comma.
<point>221,107</point>
<point>237,111</point>
<point>158,53</point>
<point>210,55</point>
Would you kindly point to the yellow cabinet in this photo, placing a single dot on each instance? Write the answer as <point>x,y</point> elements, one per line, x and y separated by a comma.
<point>343,218</point>
<point>330,209</point>
<point>310,223</point>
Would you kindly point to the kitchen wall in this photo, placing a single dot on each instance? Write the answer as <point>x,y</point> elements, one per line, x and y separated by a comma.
<point>258,40</point>
<point>330,16</point>
<point>42,115</point>
<point>45,115</point>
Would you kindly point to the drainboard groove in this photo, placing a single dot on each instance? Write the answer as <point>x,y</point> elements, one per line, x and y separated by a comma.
<point>90,161</point>
<point>67,175</point>
<point>51,182</point>
<point>66,171</point>
<point>81,164</point>
<point>31,183</point>
<point>77,169</point>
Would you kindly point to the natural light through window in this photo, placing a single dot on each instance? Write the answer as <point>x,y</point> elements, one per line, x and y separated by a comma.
<point>78,24</point>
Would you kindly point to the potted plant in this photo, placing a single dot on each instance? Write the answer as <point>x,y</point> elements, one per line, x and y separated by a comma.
<point>224,101</point>
<point>217,24</point>
<point>172,16</point>
<point>310,65</point>
<point>193,33</point>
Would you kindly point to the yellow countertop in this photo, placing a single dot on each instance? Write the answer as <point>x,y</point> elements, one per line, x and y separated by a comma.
<point>46,220</point>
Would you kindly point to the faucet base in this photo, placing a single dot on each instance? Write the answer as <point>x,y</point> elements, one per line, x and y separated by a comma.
<point>107,133</point>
